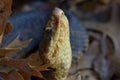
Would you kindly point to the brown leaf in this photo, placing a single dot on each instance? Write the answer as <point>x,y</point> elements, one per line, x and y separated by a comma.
<point>8,28</point>
<point>26,76</point>
<point>12,75</point>
<point>3,75</point>
<point>8,51</point>
<point>5,8</point>
<point>42,67</point>
<point>1,37</point>
<point>34,60</point>
<point>37,74</point>
<point>20,64</point>
<point>17,43</point>
<point>24,68</point>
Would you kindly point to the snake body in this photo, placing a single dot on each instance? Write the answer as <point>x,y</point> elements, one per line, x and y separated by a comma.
<point>55,46</point>
<point>30,25</point>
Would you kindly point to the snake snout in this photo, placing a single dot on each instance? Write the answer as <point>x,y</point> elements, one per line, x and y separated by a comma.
<point>58,12</point>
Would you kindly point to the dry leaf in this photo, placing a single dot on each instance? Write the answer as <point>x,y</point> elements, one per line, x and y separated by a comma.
<point>12,75</point>
<point>5,11</point>
<point>17,43</point>
<point>24,68</point>
<point>34,60</point>
<point>4,52</point>
<point>8,28</point>
<point>1,37</point>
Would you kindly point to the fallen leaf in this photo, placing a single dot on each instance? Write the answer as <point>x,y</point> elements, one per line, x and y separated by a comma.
<point>17,43</point>
<point>102,65</point>
<point>4,52</point>
<point>5,8</point>
<point>1,38</point>
<point>24,68</point>
<point>34,59</point>
<point>8,28</point>
<point>12,75</point>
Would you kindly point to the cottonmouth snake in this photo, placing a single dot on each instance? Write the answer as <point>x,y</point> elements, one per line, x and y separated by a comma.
<point>30,25</point>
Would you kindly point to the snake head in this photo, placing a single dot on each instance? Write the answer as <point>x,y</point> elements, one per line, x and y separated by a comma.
<point>56,29</point>
<point>58,22</point>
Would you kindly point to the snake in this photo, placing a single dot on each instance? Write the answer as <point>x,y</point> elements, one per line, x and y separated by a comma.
<point>30,25</point>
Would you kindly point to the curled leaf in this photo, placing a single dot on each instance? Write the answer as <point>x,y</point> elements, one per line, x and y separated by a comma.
<point>17,43</point>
